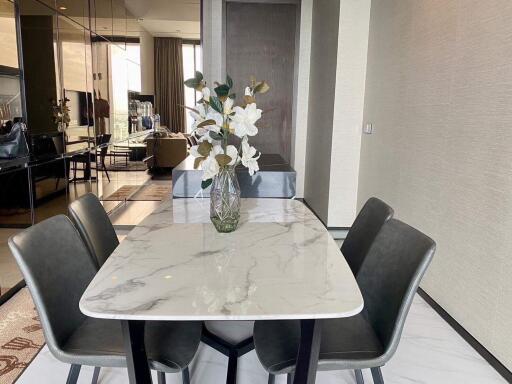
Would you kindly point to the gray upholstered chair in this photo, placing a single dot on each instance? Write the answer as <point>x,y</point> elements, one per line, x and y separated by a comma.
<point>363,231</point>
<point>94,227</point>
<point>57,269</point>
<point>388,279</point>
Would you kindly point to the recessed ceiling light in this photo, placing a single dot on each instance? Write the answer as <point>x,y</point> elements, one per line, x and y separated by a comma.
<point>63,8</point>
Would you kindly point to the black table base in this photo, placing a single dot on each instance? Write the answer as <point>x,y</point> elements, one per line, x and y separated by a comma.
<point>136,357</point>
<point>232,351</point>
<point>305,369</point>
<point>309,350</point>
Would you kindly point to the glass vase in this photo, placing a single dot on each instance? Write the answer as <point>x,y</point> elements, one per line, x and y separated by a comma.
<point>225,200</point>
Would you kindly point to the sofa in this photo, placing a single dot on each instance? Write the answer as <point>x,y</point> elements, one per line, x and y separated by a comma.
<point>166,151</point>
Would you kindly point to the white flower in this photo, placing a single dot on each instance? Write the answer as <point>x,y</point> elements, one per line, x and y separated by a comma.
<point>194,152</point>
<point>210,166</point>
<point>206,94</point>
<point>248,91</point>
<point>242,122</point>
<point>216,150</point>
<point>232,152</point>
<point>228,104</point>
<point>248,157</point>
<point>202,116</point>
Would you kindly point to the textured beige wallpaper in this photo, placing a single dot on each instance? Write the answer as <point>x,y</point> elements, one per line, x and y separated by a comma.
<point>439,93</point>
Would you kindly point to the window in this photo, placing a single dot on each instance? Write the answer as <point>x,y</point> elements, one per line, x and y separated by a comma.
<point>125,76</point>
<point>192,62</point>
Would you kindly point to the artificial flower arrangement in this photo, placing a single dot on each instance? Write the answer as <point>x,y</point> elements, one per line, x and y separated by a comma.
<point>217,119</point>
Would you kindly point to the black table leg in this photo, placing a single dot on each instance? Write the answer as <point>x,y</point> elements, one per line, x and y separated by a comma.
<point>232,368</point>
<point>309,349</point>
<point>136,358</point>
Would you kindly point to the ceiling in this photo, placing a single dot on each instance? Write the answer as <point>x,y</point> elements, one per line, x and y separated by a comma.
<point>164,18</point>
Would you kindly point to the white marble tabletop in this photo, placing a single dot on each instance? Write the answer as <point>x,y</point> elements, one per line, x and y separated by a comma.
<point>281,263</point>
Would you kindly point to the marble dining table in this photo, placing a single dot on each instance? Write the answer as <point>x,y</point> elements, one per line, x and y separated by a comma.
<point>281,263</point>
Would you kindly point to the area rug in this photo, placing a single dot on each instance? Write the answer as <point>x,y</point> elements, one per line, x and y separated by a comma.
<point>21,336</point>
<point>152,192</point>
<point>123,193</point>
<point>132,166</point>
<point>149,192</point>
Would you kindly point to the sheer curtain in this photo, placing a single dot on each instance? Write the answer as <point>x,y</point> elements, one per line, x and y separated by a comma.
<point>169,88</point>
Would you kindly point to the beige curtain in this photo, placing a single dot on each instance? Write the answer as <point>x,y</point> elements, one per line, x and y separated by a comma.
<point>169,88</point>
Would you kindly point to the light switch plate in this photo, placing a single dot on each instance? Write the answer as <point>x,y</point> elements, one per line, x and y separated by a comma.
<point>368,128</point>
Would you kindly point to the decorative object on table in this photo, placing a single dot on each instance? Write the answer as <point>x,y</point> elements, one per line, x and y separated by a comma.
<point>14,144</point>
<point>220,127</point>
<point>61,114</point>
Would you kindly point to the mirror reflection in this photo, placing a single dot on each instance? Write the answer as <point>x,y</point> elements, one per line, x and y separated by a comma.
<point>91,100</point>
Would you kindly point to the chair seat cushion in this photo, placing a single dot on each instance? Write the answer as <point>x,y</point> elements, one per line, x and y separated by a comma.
<point>344,341</point>
<point>170,345</point>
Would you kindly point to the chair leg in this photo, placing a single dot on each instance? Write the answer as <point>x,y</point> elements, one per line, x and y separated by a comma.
<point>161,377</point>
<point>186,376</point>
<point>74,372</point>
<point>271,378</point>
<point>95,375</point>
<point>359,376</point>
<point>289,378</point>
<point>377,376</point>
<point>105,170</point>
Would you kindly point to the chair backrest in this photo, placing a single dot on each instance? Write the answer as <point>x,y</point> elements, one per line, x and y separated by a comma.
<point>57,269</point>
<point>390,276</point>
<point>59,144</point>
<point>360,237</point>
<point>94,227</point>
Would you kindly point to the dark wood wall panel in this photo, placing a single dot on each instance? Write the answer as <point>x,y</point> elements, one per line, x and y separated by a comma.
<point>260,41</point>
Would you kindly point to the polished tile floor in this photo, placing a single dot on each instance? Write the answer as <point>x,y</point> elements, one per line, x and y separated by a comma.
<point>129,213</point>
<point>430,353</point>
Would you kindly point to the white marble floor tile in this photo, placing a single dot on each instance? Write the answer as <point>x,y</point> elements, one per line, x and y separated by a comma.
<point>430,353</point>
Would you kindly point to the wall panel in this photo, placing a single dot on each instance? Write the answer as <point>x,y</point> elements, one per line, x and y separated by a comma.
<point>438,92</point>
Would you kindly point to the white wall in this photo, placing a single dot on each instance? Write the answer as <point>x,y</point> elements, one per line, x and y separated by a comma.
<point>348,111</point>
<point>147,63</point>
<point>439,91</point>
<point>322,87</point>
<point>213,41</point>
<point>339,46</point>
<point>301,92</point>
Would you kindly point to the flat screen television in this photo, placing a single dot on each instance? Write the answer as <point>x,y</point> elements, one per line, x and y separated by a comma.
<point>80,108</point>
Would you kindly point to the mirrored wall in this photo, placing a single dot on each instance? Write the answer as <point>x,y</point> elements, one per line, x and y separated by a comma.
<point>68,70</point>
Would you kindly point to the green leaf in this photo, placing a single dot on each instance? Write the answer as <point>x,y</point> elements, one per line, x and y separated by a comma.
<point>192,109</point>
<point>229,81</point>
<point>206,183</point>
<point>249,99</point>
<point>261,87</point>
<point>206,123</point>
<point>198,76</point>
<point>192,83</point>
<point>222,90</point>
<point>223,159</point>
<point>215,135</point>
<point>216,104</point>
<point>204,148</point>
<point>198,161</point>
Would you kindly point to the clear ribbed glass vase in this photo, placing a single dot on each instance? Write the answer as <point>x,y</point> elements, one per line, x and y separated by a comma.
<point>225,200</point>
